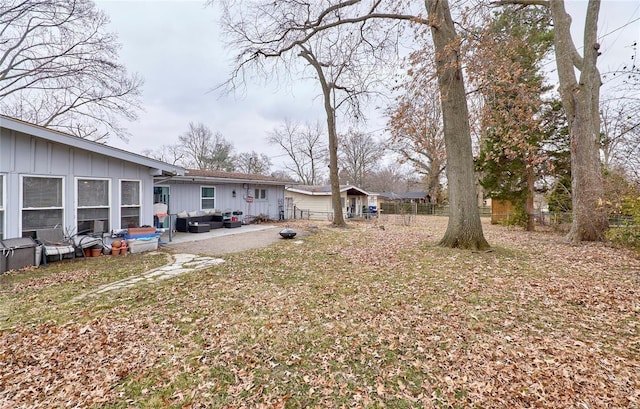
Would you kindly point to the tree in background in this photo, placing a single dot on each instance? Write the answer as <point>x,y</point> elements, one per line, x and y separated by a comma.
<point>415,124</point>
<point>389,178</point>
<point>352,41</point>
<point>172,153</point>
<point>252,163</point>
<point>556,176</point>
<point>342,53</point>
<point>506,66</point>
<point>59,68</point>
<point>620,137</point>
<point>358,155</point>
<point>205,150</point>
<point>306,149</point>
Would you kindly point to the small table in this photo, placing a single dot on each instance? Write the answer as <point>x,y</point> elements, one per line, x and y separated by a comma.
<point>199,228</point>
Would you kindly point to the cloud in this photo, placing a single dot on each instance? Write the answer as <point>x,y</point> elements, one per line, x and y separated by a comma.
<point>177,47</point>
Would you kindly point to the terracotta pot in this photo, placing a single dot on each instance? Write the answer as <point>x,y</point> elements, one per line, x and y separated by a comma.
<point>115,251</point>
<point>123,251</point>
<point>96,252</point>
<point>87,252</point>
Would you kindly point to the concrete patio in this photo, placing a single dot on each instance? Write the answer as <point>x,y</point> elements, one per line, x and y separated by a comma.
<point>180,237</point>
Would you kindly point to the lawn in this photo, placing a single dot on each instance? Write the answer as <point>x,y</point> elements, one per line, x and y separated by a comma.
<point>360,317</point>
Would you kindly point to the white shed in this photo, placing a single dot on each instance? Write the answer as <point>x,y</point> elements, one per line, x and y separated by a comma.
<point>314,202</point>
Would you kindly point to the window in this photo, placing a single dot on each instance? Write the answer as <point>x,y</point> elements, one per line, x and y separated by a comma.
<point>1,207</point>
<point>93,205</point>
<point>260,194</point>
<point>129,203</point>
<point>42,203</point>
<point>161,194</point>
<point>207,197</point>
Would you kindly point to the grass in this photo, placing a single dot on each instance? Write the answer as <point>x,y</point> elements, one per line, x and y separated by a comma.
<point>362,317</point>
<point>40,294</point>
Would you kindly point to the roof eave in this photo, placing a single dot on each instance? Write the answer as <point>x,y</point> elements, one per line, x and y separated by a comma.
<point>87,145</point>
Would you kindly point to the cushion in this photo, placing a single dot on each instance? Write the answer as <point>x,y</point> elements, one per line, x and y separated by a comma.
<point>183,215</point>
<point>58,250</point>
<point>86,241</point>
<point>193,213</point>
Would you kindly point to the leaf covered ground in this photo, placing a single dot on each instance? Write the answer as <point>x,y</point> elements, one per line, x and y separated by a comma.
<point>360,317</point>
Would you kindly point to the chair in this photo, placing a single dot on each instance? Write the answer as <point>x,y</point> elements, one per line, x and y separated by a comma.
<point>160,213</point>
<point>87,239</point>
<point>55,243</point>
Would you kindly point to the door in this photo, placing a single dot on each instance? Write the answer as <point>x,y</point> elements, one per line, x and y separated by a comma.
<point>161,194</point>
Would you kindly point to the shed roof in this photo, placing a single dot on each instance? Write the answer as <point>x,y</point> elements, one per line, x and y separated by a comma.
<point>325,190</point>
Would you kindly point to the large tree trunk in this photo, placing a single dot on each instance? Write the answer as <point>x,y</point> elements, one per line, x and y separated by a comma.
<point>336,199</point>
<point>581,103</point>
<point>334,179</point>
<point>464,229</point>
<point>529,204</point>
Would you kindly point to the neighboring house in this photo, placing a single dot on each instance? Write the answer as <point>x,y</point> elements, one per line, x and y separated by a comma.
<point>405,197</point>
<point>208,190</point>
<point>49,179</point>
<point>314,202</point>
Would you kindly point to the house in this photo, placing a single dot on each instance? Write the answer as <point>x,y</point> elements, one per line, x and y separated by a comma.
<point>248,195</point>
<point>52,179</point>
<point>314,202</point>
<point>405,197</point>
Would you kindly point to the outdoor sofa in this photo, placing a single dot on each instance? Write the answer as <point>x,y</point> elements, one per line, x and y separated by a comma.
<point>183,220</point>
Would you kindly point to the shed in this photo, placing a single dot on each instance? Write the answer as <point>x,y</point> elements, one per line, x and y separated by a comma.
<point>314,202</point>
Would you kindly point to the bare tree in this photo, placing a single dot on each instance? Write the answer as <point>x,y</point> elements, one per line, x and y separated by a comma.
<point>390,178</point>
<point>205,150</point>
<point>305,147</point>
<point>415,124</point>
<point>359,155</point>
<point>312,30</point>
<point>253,163</point>
<point>580,100</point>
<point>340,52</point>
<point>173,154</point>
<point>464,229</point>
<point>620,143</point>
<point>59,69</point>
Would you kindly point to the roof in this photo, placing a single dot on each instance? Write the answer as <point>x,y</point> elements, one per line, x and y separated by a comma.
<point>325,190</point>
<point>88,145</point>
<point>201,175</point>
<point>404,195</point>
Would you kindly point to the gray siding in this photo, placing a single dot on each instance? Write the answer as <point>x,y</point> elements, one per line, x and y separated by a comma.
<point>185,196</point>
<point>24,155</point>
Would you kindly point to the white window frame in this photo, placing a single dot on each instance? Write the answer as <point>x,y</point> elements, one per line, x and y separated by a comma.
<point>215,194</point>
<point>258,194</point>
<point>122,206</point>
<point>77,198</point>
<point>62,194</point>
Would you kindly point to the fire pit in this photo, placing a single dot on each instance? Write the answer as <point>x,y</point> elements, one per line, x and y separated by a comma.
<point>287,233</point>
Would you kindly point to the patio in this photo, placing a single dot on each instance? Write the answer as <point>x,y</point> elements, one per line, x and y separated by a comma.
<point>179,237</point>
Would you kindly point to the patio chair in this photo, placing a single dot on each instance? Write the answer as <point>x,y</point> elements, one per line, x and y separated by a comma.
<point>55,243</point>
<point>87,239</point>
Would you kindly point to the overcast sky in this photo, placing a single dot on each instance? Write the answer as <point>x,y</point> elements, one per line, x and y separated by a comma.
<point>175,45</point>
